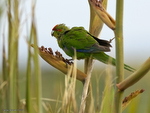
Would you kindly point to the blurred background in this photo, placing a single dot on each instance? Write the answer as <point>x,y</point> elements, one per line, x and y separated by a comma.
<point>76,13</point>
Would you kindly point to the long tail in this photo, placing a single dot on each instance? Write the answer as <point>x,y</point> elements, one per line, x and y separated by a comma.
<point>109,60</point>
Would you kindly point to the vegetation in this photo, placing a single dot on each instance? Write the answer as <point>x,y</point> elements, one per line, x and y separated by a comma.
<point>78,91</point>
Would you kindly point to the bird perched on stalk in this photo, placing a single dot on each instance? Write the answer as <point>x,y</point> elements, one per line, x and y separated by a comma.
<point>85,44</point>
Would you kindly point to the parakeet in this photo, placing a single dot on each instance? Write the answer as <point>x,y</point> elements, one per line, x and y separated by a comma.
<point>85,44</point>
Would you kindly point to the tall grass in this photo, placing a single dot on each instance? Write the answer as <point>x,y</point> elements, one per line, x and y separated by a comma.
<point>111,101</point>
<point>69,101</point>
<point>10,100</point>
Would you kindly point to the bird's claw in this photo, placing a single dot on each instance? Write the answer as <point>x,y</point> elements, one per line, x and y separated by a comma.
<point>67,61</point>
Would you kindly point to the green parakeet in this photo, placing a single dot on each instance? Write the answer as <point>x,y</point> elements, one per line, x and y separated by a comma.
<point>85,44</point>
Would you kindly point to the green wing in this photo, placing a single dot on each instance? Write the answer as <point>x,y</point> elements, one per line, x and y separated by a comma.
<point>82,41</point>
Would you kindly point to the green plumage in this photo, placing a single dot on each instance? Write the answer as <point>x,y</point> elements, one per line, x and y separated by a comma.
<point>85,44</point>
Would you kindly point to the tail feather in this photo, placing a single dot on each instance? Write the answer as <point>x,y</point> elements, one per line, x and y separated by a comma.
<point>110,60</point>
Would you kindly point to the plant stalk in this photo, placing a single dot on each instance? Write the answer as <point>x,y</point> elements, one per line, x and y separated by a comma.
<point>13,53</point>
<point>37,70</point>
<point>95,28</point>
<point>119,54</point>
<point>136,76</point>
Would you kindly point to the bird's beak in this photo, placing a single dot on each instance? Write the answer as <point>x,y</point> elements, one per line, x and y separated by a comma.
<point>52,33</point>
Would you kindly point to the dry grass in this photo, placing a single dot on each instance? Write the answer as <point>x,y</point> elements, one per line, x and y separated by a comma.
<point>34,101</point>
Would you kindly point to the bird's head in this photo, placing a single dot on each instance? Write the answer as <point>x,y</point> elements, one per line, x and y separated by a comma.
<point>59,30</point>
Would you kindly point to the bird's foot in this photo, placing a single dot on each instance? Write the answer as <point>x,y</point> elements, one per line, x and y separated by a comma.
<point>68,61</point>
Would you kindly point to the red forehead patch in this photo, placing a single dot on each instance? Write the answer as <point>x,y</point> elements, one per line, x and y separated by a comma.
<point>54,27</point>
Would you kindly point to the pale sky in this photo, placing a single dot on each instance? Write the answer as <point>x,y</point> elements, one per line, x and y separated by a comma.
<point>76,13</point>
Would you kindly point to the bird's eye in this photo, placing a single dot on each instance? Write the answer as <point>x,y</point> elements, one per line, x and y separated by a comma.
<point>59,30</point>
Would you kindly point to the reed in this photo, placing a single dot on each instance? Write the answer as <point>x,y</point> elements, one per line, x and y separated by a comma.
<point>112,97</point>
<point>119,54</point>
